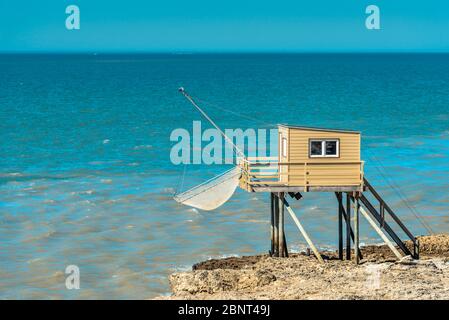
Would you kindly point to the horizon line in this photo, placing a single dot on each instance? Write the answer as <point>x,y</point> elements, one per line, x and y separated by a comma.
<point>199,52</point>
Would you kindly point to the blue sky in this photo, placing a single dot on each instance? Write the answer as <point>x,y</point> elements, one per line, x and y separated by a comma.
<point>227,25</point>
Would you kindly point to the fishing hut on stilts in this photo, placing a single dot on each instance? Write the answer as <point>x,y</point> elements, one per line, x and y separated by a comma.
<point>309,160</point>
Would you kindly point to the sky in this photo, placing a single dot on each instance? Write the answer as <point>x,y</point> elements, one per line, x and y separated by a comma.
<point>224,26</point>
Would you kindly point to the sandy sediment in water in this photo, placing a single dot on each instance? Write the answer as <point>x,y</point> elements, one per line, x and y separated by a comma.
<point>378,276</point>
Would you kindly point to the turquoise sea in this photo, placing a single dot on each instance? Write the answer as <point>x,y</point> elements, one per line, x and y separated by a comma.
<point>86,177</point>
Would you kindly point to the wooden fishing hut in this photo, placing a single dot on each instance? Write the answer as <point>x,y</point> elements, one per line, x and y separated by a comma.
<point>323,160</point>
<point>309,160</point>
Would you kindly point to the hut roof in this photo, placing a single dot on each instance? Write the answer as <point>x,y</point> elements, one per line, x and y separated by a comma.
<point>317,129</point>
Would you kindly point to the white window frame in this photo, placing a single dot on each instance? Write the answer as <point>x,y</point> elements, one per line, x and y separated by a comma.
<point>284,147</point>
<point>323,148</point>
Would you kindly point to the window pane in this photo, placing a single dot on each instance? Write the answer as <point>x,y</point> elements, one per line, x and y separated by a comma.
<point>316,148</point>
<point>331,148</point>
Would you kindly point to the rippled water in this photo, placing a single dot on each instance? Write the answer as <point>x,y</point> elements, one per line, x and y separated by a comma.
<point>86,179</point>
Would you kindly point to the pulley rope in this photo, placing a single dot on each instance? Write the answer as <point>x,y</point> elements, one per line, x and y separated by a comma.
<point>381,169</point>
<point>238,114</point>
<point>192,101</point>
<point>181,181</point>
<point>199,187</point>
<point>235,148</point>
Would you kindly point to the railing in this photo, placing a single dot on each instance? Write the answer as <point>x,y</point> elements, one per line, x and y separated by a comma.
<point>380,217</point>
<point>269,171</point>
<point>258,170</point>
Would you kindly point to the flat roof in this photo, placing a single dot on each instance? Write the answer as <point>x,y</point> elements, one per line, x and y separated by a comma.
<point>316,128</point>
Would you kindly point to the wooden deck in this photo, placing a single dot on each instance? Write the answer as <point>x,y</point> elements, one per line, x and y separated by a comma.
<point>277,188</point>
<point>267,174</point>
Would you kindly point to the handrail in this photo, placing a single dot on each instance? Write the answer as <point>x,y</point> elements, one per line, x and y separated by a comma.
<point>261,158</point>
<point>380,217</point>
<point>388,209</point>
<point>266,170</point>
<point>303,163</point>
<point>386,227</point>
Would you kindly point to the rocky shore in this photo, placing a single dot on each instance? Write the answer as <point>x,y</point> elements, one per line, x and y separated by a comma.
<point>378,276</point>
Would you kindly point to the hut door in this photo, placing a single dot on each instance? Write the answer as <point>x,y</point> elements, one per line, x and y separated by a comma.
<point>283,156</point>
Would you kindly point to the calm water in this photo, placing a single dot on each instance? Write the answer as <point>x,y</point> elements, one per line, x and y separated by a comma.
<point>86,179</point>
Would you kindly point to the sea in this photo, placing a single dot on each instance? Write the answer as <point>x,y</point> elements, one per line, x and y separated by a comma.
<point>86,177</point>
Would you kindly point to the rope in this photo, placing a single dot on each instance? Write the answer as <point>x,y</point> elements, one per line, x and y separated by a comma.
<point>238,114</point>
<point>211,179</point>
<point>207,182</point>
<point>185,94</point>
<point>400,194</point>
<point>181,181</point>
<point>237,150</point>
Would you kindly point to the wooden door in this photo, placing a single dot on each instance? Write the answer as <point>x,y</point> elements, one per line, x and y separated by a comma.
<point>283,156</point>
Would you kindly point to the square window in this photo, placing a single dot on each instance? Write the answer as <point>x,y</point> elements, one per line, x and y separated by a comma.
<point>324,148</point>
<point>331,148</point>
<point>316,148</point>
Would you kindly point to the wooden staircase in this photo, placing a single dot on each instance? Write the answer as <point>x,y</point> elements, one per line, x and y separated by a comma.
<point>380,214</point>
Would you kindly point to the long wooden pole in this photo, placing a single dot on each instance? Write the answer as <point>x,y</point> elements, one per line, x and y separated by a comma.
<point>227,139</point>
<point>340,225</point>
<point>348,227</point>
<point>303,232</point>
<point>356,229</point>
<point>272,223</point>
<point>281,225</point>
<point>345,218</point>
<point>285,247</point>
<point>276,225</point>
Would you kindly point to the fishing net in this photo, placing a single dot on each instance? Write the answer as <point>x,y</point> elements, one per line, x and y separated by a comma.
<point>212,193</point>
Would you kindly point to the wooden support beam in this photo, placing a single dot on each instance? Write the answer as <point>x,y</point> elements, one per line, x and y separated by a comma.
<point>340,225</point>
<point>303,232</point>
<point>348,227</point>
<point>281,225</point>
<point>276,226</point>
<point>267,187</point>
<point>386,227</point>
<point>388,209</point>
<point>356,229</point>
<point>285,247</point>
<point>380,233</point>
<point>272,223</point>
<point>346,219</point>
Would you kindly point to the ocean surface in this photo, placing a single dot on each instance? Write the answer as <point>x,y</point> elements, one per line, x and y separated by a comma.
<point>86,177</point>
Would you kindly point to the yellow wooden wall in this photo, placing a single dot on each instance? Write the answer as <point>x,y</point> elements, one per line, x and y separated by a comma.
<point>328,171</point>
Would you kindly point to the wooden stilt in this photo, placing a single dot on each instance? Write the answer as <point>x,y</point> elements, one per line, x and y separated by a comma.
<point>276,225</point>
<point>285,247</point>
<point>356,229</point>
<point>345,218</point>
<point>340,225</point>
<point>281,225</point>
<point>348,227</point>
<point>272,223</point>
